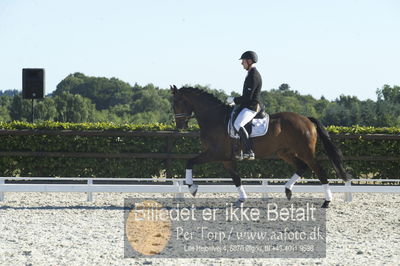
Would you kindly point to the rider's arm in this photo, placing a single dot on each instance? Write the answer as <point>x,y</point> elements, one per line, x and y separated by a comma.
<point>248,91</point>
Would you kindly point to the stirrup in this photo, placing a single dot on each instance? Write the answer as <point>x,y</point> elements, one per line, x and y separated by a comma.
<point>249,156</point>
<point>239,156</point>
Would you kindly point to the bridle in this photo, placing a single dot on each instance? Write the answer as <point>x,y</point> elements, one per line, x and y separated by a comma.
<point>186,116</point>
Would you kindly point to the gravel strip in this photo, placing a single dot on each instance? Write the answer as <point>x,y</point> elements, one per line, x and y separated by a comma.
<point>65,229</point>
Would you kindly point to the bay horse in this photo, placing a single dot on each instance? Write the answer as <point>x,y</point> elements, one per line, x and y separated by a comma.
<point>292,137</point>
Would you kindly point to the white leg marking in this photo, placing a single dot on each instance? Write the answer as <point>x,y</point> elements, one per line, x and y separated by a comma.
<point>242,193</point>
<point>189,177</point>
<point>292,181</point>
<point>328,192</point>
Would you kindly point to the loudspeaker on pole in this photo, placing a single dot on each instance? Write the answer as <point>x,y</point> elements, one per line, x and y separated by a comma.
<point>33,83</point>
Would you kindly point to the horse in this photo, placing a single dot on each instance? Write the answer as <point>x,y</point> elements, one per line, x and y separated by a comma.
<point>291,136</point>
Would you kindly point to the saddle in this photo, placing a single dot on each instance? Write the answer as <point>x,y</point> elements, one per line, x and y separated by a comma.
<point>257,127</point>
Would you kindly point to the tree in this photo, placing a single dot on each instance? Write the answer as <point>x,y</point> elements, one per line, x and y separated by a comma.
<point>70,82</point>
<point>368,113</point>
<point>103,92</point>
<point>151,104</point>
<point>74,108</point>
<point>389,94</point>
<point>9,93</point>
<point>5,102</point>
<point>284,87</point>
<point>45,110</point>
<point>20,109</point>
<point>388,106</point>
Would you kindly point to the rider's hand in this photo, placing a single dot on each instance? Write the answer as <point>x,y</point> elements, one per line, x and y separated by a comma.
<point>230,101</point>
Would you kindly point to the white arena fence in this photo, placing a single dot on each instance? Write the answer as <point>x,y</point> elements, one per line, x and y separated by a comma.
<point>177,187</point>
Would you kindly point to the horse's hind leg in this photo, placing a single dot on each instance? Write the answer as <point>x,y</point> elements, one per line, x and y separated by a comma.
<point>300,167</point>
<point>322,176</point>
<point>230,166</point>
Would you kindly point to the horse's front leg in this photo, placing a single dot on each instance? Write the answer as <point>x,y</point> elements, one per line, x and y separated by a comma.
<point>201,158</point>
<point>230,166</point>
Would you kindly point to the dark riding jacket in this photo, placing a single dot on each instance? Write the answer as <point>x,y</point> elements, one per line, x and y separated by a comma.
<point>251,91</point>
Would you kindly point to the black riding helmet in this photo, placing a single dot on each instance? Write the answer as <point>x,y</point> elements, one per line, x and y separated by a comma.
<point>249,55</point>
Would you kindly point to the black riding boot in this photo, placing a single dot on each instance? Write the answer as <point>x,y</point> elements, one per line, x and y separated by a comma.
<point>248,154</point>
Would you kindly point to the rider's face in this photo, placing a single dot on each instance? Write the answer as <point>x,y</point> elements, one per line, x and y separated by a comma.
<point>245,64</point>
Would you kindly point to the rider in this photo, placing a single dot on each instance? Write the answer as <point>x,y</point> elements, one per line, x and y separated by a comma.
<point>248,103</point>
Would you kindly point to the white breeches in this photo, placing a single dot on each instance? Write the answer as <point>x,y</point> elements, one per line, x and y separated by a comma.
<point>243,118</point>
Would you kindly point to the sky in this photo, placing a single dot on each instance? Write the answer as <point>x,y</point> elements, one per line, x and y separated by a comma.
<point>318,47</point>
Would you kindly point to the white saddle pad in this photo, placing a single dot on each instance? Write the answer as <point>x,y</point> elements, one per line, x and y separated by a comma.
<point>259,127</point>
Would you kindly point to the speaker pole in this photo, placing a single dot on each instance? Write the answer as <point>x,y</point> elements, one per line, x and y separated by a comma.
<point>33,118</point>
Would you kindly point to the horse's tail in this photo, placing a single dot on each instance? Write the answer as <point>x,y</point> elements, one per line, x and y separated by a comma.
<point>334,154</point>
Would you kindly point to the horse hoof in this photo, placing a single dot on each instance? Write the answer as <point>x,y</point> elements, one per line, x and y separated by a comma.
<point>239,202</point>
<point>325,205</point>
<point>288,193</point>
<point>193,189</point>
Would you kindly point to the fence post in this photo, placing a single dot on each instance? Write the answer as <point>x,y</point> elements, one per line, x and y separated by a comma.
<point>265,189</point>
<point>2,182</point>
<point>168,163</point>
<point>179,194</point>
<point>348,197</point>
<point>89,194</point>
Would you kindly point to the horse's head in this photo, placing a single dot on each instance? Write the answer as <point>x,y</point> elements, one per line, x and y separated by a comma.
<point>182,108</point>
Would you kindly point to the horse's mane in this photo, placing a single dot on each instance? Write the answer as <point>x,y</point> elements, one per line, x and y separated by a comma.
<point>204,94</point>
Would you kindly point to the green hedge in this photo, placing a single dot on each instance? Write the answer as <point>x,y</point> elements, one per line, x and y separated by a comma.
<point>48,166</point>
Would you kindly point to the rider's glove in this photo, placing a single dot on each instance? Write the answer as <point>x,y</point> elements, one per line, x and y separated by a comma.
<point>230,100</point>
